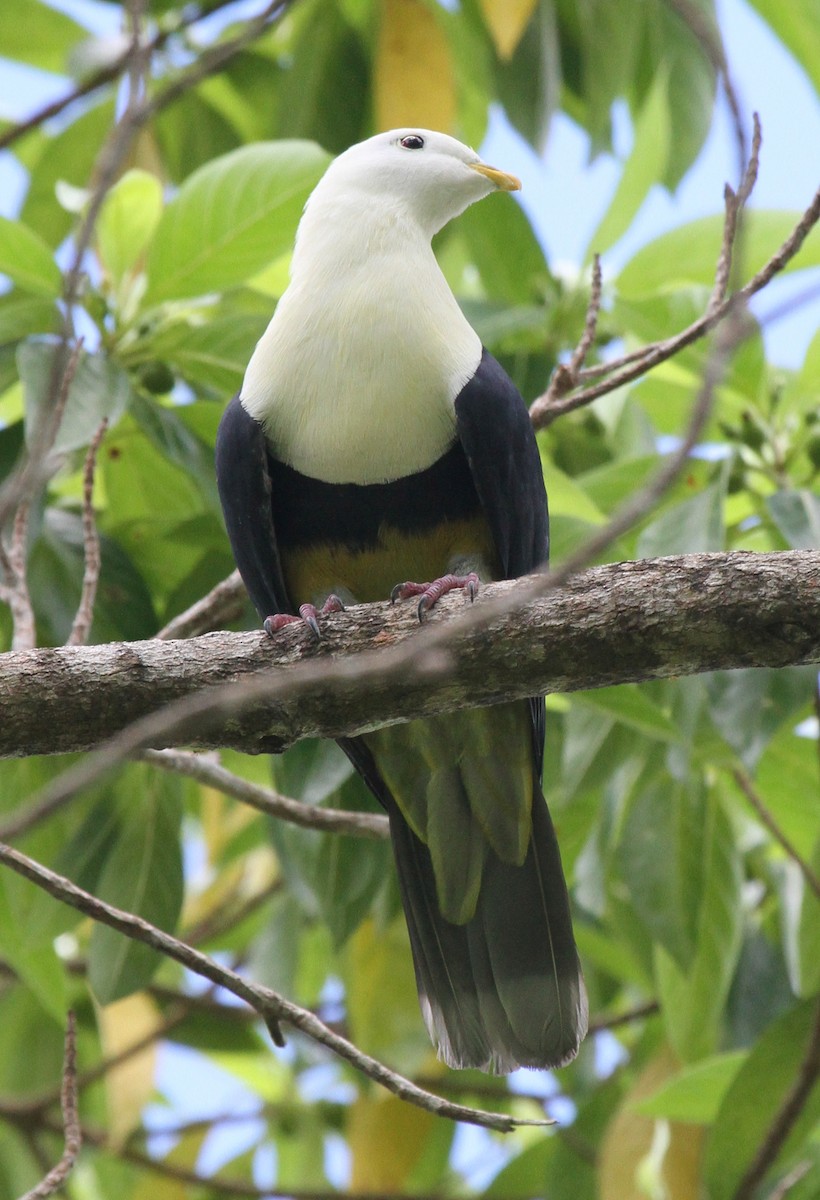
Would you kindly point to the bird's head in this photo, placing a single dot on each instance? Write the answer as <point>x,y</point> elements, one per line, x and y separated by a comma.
<point>430,176</point>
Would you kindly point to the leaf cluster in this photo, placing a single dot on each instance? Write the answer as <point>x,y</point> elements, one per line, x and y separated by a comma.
<point>699,933</point>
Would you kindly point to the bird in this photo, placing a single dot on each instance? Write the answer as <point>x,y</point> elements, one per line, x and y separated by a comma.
<point>377,449</point>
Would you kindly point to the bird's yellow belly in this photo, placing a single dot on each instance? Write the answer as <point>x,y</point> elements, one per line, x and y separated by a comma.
<point>364,574</point>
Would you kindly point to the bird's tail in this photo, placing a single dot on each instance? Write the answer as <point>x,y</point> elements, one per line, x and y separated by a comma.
<point>504,990</point>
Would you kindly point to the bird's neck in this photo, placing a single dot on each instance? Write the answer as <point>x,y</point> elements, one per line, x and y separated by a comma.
<point>356,376</point>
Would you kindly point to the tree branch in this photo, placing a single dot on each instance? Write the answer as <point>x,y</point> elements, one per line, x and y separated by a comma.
<point>223,605</point>
<point>787,1114</point>
<point>632,366</point>
<point>266,800</point>
<point>745,784</point>
<point>57,1176</point>
<point>619,623</point>
<point>270,1006</point>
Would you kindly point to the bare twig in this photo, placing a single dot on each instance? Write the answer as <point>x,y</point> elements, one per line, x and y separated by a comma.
<point>566,375</point>
<point>57,1177</point>
<point>624,370</point>
<point>735,203</point>
<point>22,486</point>
<point>224,604</point>
<point>266,800</point>
<point>786,1116</point>
<point>34,471</point>
<point>81,626</point>
<point>750,792</point>
<point>14,589</point>
<point>270,1006</point>
<point>108,73</point>
<point>790,1180</point>
<point>640,1013</point>
<point>227,916</point>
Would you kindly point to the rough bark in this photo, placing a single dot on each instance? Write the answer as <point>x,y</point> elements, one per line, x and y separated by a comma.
<point>613,624</point>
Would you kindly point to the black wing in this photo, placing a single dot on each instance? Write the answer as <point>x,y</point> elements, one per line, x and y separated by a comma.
<point>496,432</point>
<point>243,479</point>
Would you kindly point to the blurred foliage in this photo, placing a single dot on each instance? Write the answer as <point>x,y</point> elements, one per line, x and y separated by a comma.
<point>681,896</point>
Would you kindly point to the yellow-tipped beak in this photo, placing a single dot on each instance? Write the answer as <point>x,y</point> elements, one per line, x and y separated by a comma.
<point>507,183</point>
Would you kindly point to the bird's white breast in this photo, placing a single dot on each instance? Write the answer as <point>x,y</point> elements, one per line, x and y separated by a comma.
<point>356,376</point>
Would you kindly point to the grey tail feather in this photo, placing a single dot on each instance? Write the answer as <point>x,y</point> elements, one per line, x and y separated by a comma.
<point>504,990</point>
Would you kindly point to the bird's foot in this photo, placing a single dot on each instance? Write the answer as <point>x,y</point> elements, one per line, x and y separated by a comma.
<point>429,593</point>
<point>308,615</point>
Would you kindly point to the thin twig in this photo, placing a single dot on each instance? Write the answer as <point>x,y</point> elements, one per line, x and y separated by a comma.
<point>81,626</point>
<point>745,784</point>
<point>790,1180</point>
<point>21,487</point>
<point>565,376</point>
<point>639,1013</point>
<point>14,591</point>
<point>735,203</point>
<point>107,74</point>
<point>266,800</point>
<point>223,919</point>
<point>786,1116</point>
<point>58,1175</point>
<point>635,365</point>
<point>223,605</point>
<point>32,474</point>
<point>270,1006</point>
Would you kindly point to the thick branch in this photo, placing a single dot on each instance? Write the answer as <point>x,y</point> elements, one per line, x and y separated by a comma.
<point>619,623</point>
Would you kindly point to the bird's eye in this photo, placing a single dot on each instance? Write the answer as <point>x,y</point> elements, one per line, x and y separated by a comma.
<point>413,141</point>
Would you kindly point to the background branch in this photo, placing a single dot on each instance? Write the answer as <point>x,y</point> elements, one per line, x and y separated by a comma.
<point>270,1006</point>
<point>56,1178</point>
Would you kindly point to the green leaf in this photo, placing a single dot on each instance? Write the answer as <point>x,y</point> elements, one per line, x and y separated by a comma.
<point>22,316</point>
<point>644,167</point>
<point>506,251</point>
<point>210,357</point>
<point>167,430</point>
<point>691,527</point>
<point>27,260</point>
<point>695,1093</point>
<point>328,61</point>
<point>801,927</point>
<point>312,771</point>
<point>69,156</point>
<point>755,1096</point>
<point>528,84</point>
<point>797,26</point>
<point>99,388</point>
<point>231,217</point>
<point>127,221</point>
<point>38,34</point>
<point>797,516</point>
<point>143,876</point>
<point>123,610</point>
<point>692,1001</point>
<point>570,496</point>
<point>31,1049</point>
<point>688,254</point>
<point>382,1004</point>
<point>787,777</point>
<point>660,855</point>
<point>692,82</point>
<point>37,965</point>
<point>630,705</point>
<point>334,877</point>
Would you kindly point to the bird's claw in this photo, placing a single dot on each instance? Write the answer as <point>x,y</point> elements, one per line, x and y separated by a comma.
<point>308,615</point>
<point>430,593</point>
